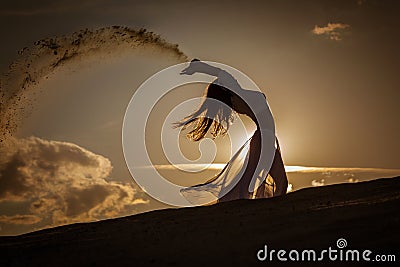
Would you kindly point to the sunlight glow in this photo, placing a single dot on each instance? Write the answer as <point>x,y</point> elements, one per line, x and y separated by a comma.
<point>220,166</point>
<point>298,168</point>
<point>288,168</point>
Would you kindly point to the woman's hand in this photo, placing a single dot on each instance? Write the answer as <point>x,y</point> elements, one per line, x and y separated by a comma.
<point>199,66</point>
<point>193,67</point>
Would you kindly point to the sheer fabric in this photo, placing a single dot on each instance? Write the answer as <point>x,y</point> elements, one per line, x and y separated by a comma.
<point>233,181</point>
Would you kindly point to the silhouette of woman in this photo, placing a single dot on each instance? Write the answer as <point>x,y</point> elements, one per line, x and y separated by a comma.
<point>257,169</point>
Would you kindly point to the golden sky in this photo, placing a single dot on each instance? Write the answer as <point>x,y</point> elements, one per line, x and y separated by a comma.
<point>331,63</point>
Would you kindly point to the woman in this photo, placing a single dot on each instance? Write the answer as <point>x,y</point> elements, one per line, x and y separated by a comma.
<point>246,174</point>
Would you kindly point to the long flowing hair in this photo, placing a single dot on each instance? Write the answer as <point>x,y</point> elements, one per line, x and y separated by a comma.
<point>212,115</point>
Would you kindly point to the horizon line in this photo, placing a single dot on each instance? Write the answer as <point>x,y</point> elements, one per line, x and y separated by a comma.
<point>288,168</point>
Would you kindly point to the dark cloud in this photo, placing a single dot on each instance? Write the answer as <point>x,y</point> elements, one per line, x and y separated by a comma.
<point>13,189</point>
<point>20,219</point>
<point>62,182</point>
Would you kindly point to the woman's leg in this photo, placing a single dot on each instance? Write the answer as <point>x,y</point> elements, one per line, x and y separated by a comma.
<point>278,173</point>
<point>241,189</point>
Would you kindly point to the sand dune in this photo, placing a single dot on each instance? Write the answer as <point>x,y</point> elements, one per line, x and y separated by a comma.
<point>230,234</point>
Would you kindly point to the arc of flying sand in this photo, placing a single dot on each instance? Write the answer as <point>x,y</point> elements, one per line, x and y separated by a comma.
<point>45,56</point>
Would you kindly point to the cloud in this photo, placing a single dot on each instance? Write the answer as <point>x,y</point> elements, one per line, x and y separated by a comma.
<point>352,180</point>
<point>20,219</point>
<point>332,30</point>
<point>62,183</point>
<point>318,183</point>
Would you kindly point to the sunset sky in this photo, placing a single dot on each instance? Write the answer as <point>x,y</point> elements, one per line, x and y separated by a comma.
<point>330,71</point>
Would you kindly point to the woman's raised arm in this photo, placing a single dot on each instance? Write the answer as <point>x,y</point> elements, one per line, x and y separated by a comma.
<point>224,78</point>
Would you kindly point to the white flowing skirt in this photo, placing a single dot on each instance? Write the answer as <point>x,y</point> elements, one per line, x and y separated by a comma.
<point>214,189</point>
